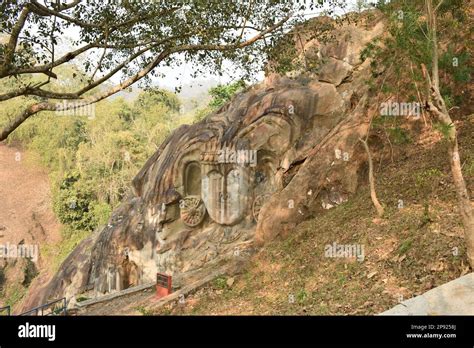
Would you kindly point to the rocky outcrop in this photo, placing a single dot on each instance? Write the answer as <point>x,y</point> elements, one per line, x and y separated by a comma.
<point>277,154</point>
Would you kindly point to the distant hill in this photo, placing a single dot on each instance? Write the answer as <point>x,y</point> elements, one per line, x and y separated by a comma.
<point>196,93</point>
<point>193,94</point>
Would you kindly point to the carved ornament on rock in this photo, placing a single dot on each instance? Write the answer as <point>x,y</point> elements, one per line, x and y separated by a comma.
<point>192,210</point>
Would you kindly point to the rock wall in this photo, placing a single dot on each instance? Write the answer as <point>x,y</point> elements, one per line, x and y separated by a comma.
<point>214,191</point>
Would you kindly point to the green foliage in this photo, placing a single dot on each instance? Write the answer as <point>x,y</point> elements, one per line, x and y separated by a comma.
<point>401,53</point>
<point>426,176</point>
<point>454,7</point>
<point>456,64</point>
<point>223,93</point>
<point>201,114</point>
<point>301,296</point>
<point>220,283</point>
<point>144,311</point>
<point>72,204</point>
<point>405,246</point>
<point>166,27</point>
<point>100,212</point>
<point>443,128</point>
<point>30,272</point>
<point>81,298</point>
<point>92,161</point>
<point>399,136</point>
<point>372,49</point>
<point>155,96</point>
<point>15,295</point>
<point>407,41</point>
<point>70,239</point>
<point>2,279</point>
<point>469,169</point>
<point>361,5</point>
<point>448,100</point>
<point>426,217</point>
<point>220,95</point>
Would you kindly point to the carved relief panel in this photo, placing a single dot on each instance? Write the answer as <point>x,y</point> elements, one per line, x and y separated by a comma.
<point>225,188</point>
<point>225,192</point>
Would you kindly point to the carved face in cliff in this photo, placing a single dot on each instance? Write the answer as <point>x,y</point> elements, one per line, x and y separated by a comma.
<point>225,184</point>
<point>226,162</point>
<point>204,187</point>
<point>197,200</point>
<point>267,156</point>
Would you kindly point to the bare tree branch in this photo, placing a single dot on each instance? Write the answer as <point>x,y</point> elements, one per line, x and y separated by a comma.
<point>102,95</point>
<point>11,46</point>
<point>373,192</point>
<point>436,105</point>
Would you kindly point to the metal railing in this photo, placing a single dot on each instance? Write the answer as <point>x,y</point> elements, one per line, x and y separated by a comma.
<point>6,309</point>
<point>57,307</point>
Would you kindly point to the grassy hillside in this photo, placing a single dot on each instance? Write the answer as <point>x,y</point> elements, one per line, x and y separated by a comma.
<point>408,252</point>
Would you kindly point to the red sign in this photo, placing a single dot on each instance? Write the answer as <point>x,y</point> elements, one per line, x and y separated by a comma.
<point>163,285</point>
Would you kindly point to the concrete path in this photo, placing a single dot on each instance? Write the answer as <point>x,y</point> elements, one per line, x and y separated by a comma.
<point>453,298</point>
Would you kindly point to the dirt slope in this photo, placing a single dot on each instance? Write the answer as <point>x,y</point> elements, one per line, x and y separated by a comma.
<point>26,216</point>
<point>418,245</point>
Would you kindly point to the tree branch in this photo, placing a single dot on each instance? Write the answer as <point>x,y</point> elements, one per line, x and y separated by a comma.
<point>373,193</point>
<point>102,95</point>
<point>11,46</point>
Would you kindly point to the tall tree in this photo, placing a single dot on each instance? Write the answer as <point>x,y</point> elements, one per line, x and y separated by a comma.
<point>130,38</point>
<point>436,106</point>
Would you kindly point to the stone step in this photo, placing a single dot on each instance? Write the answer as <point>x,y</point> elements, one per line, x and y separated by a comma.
<point>453,298</point>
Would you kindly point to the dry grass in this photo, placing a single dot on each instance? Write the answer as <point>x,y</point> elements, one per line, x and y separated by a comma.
<point>408,252</point>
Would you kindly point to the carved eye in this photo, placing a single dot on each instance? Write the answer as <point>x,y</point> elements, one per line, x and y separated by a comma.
<point>259,177</point>
<point>223,197</point>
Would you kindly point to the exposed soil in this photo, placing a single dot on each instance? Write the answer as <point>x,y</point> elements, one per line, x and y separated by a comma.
<point>26,216</point>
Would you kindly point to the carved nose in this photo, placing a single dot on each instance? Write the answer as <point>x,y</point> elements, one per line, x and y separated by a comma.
<point>223,196</point>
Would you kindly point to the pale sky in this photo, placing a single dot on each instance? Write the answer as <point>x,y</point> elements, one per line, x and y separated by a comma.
<point>176,76</point>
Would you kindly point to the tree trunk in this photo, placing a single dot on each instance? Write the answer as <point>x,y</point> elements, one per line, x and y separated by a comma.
<point>465,207</point>
<point>437,107</point>
<point>373,193</point>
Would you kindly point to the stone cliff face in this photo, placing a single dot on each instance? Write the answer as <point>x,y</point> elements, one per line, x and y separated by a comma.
<point>216,190</point>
